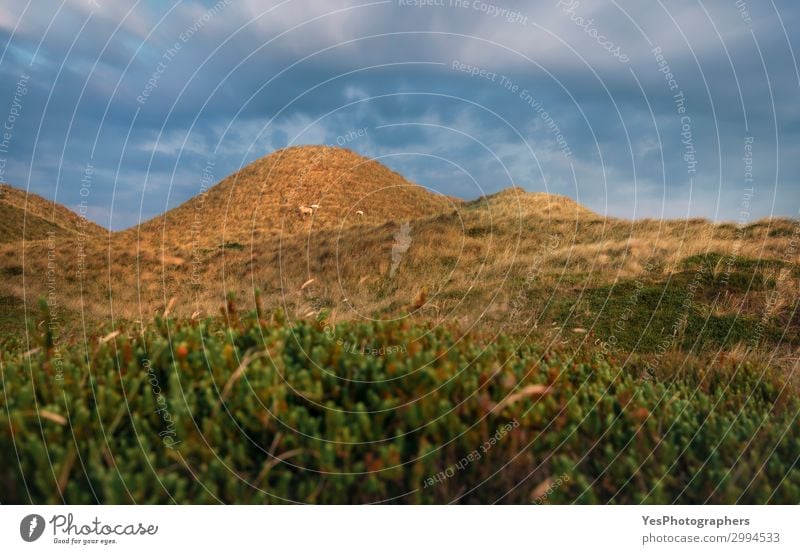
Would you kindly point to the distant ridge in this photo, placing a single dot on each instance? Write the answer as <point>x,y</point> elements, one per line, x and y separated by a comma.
<point>536,204</point>
<point>29,216</point>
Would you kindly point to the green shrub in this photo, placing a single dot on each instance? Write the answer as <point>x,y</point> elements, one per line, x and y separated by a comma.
<point>268,412</point>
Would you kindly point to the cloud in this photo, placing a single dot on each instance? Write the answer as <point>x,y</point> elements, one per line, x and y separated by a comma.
<point>245,79</point>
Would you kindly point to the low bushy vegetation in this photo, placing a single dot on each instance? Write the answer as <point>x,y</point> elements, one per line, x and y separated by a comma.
<point>712,302</point>
<point>261,410</point>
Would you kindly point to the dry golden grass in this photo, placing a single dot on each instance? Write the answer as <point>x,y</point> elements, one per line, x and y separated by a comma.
<point>31,217</point>
<point>498,259</point>
<point>263,199</point>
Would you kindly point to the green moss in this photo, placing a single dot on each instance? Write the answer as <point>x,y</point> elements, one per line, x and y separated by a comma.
<point>674,312</point>
<point>12,323</point>
<point>477,232</point>
<point>231,246</point>
<point>712,260</point>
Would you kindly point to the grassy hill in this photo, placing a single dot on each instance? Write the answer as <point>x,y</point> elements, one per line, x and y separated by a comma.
<point>262,200</point>
<point>516,262</point>
<point>32,217</point>
<point>32,224</point>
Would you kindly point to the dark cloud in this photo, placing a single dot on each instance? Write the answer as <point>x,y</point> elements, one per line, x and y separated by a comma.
<point>555,108</point>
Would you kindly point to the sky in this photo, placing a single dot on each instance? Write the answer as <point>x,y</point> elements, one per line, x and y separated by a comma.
<point>657,109</point>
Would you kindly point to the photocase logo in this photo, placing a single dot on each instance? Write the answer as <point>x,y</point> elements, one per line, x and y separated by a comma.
<point>31,527</point>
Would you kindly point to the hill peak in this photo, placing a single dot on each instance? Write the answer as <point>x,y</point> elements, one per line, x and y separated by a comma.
<point>516,199</point>
<point>297,189</point>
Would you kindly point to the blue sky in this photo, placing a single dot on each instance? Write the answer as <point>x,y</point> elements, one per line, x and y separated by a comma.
<point>635,109</point>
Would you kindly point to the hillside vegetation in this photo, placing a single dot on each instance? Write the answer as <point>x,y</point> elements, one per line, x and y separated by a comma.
<point>515,261</point>
<point>30,216</point>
